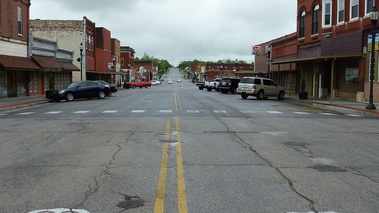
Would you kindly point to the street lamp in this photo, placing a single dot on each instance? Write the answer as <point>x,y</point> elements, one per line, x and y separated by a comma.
<point>374,19</point>
<point>81,47</point>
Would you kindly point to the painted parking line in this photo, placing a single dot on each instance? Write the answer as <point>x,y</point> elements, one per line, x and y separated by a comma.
<point>25,113</point>
<point>81,112</point>
<point>53,112</point>
<point>109,111</point>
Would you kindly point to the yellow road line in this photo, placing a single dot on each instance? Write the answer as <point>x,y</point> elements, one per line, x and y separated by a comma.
<point>161,188</point>
<point>182,198</point>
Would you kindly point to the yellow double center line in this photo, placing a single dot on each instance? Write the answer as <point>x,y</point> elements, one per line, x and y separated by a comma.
<point>161,188</point>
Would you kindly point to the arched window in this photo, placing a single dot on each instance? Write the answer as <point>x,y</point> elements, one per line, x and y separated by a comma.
<point>315,19</point>
<point>302,25</point>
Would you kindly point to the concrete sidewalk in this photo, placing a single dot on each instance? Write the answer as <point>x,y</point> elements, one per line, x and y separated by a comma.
<point>336,105</point>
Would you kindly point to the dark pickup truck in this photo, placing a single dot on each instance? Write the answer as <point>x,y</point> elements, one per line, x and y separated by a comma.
<point>200,84</point>
<point>228,85</point>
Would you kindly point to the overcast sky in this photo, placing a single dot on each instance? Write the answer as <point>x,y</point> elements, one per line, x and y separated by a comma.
<point>181,30</point>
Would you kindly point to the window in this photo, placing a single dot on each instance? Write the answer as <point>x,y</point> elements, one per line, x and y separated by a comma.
<point>341,11</point>
<point>327,13</point>
<point>354,9</point>
<point>369,6</point>
<point>19,20</point>
<point>315,20</point>
<point>302,25</point>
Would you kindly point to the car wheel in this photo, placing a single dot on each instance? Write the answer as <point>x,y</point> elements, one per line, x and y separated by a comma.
<point>224,91</point>
<point>69,96</point>
<point>261,95</point>
<point>101,94</point>
<point>244,96</point>
<point>201,88</point>
<point>146,86</point>
<point>209,89</point>
<point>110,94</point>
<point>134,86</point>
<point>281,95</point>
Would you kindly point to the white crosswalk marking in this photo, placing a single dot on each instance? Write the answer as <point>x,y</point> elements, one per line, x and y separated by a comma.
<point>2,114</point>
<point>274,112</point>
<point>137,111</point>
<point>165,111</point>
<point>302,113</point>
<point>326,113</point>
<point>81,112</point>
<point>110,111</point>
<point>219,111</point>
<point>247,111</point>
<point>193,111</point>
<point>25,113</point>
<point>53,112</point>
<point>352,115</point>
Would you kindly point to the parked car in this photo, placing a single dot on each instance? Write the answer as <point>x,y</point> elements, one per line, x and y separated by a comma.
<point>81,89</point>
<point>228,85</point>
<point>262,88</point>
<point>113,87</point>
<point>211,84</point>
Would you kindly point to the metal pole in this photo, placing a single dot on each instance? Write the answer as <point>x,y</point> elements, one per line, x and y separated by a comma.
<point>371,105</point>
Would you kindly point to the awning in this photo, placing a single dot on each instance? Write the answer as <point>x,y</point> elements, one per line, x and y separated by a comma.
<point>48,63</point>
<point>320,58</point>
<point>17,63</point>
<point>67,66</point>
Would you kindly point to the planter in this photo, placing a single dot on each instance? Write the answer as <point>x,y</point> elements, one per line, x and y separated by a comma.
<point>48,93</point>
<point>303,95</point>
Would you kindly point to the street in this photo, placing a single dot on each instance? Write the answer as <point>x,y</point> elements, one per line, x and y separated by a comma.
<point>175,148</point>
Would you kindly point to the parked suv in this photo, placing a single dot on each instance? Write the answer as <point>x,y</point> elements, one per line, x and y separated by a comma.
<point>262,88</point>
<point>228,85</point>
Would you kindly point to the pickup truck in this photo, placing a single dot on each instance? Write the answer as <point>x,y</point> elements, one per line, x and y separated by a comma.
<point>200,84</point>
<point>139,84</point>
<point>211,84</point>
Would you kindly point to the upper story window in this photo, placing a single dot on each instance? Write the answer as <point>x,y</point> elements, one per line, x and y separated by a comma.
<point>302,25</point>
<point>354,6</point>
<point>341,11</point>
<point>315,20</point>
<point>369,6</point>
<point>327,13</point>
<point>19,20</point>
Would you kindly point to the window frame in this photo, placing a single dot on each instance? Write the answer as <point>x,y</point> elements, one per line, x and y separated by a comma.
<point>315,19</point>
<point>302,24</point>
<point>369,10</point>
<point>19,21</point>
<point>351,10</point>
<point>324,14</point>
<point>340,8</point>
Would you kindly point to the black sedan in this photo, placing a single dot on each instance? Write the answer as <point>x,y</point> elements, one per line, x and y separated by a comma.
<point>111,86</point>
<point>81,89</point>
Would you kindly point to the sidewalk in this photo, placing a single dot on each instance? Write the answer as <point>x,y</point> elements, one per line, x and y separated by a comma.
<point>336,105</point>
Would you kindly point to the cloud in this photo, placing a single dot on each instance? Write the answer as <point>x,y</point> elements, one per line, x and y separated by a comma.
<point>181,29</point>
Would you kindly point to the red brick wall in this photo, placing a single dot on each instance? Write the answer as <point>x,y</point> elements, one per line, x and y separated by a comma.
<point>9,21</point>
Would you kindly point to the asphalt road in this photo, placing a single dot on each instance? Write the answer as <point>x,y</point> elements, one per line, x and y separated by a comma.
<point>174,148</point>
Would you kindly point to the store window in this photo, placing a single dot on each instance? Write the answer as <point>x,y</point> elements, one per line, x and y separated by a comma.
<point>351,75</point>
<point>3,84</point>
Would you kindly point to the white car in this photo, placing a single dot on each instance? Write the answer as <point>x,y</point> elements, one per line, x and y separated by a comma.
<point>169,81</point>
<point>179,81</point>
<point>155,82</point>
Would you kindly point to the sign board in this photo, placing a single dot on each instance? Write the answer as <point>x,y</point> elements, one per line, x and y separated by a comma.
<point>369,42</point>
<point>256,50</point>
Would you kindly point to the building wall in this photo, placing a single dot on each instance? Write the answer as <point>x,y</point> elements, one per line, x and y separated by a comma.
<point>103,50</point>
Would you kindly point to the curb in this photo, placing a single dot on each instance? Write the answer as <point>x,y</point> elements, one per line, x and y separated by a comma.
<point>20,105</point>
<point>333,107</point>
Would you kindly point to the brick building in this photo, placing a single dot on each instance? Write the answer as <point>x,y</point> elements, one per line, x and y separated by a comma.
<point>127,62</point>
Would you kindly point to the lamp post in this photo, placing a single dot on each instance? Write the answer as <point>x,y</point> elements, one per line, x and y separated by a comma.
<point>374,19</point>
<point>81,47</point>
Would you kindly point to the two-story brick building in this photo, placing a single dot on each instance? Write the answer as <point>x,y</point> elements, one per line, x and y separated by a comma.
<point>333,48</point>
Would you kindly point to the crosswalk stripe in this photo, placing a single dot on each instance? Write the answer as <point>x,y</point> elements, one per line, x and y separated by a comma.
<point>325,113</point>
<point>193,111</point>
<point>25,113</point>
<point>274,112</point>
<point>137,111</point>
<point>165,111</point>
<point>81,112</point>
<point>302,113</point>
<point>109,111</point>
<point>52,112</point>
<point>219,111</point>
